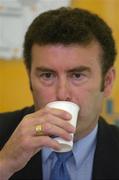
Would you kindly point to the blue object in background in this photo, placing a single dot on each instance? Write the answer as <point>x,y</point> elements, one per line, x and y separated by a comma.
<point>109,107</point>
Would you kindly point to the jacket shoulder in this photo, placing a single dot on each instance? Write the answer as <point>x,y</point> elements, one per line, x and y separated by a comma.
<point>10,120</point>
<point>110,131</point>
<point>106,158</point>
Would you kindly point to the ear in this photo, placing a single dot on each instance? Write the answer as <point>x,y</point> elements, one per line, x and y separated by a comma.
<point>108,81</point>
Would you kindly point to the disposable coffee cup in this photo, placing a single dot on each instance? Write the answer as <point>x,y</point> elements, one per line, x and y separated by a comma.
<point>73,109</point>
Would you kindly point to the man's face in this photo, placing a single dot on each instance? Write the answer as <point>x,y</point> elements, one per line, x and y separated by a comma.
<point>68,73</point>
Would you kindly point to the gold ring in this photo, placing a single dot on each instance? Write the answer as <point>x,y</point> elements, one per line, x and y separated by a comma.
<point>39,130</point>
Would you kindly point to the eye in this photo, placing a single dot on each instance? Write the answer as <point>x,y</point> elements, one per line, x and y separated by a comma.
<point>47,75</point>
<point>77,75</point>
<point>78,78</point>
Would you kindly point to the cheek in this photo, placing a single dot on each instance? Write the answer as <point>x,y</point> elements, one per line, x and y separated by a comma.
<point>90,101</point>
<point>92,106</point>
<point>42,95</point>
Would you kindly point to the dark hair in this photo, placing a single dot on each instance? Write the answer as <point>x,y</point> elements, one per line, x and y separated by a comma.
<point>70,26</point>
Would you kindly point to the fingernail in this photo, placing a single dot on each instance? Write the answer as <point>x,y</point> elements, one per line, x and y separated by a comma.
<point>70,137</point>
<point>73,129</point>
<point>69,116</point>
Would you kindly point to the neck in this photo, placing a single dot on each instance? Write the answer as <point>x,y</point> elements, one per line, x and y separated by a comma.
<point>82,133</point>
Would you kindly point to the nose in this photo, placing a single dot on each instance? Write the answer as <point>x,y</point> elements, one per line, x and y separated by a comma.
<point>63,92</point>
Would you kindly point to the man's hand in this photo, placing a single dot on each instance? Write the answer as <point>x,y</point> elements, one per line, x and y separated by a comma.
<point>24,143</point>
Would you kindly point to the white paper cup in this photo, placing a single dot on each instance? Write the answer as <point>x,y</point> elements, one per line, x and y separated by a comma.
<point>73,109</point>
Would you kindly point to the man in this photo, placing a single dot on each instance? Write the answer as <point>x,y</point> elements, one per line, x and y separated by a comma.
<point>69,56</point>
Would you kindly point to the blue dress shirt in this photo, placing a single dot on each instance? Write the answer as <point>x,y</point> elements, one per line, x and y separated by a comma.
<point>80,165</point>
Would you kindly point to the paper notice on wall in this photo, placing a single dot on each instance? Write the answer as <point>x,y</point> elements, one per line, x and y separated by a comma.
<point>15,17</point>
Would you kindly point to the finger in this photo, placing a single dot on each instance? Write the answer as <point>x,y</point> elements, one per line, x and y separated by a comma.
<point>52,130</point>
<point>47,122</point>
<point>56,112</point>
<point>60,123</point>
<point>45,141</point>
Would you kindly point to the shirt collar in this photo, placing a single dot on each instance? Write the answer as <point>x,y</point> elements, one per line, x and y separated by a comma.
<point>84,146</point>
<point>80,150</point>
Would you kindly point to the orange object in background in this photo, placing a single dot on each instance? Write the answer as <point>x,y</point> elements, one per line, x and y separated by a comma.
<point>14,86</point>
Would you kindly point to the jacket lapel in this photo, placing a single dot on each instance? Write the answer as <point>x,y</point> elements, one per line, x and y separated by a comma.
<point>106,158</point>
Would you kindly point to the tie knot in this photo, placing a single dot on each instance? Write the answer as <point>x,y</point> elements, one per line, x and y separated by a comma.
<point>62,157</point>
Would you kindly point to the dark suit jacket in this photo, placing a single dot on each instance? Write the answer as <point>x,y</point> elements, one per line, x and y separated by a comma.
<point>106,159</point>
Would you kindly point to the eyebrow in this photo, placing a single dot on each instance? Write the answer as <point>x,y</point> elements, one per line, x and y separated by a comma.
<point>44,69</point>
<point>76,69</point>
<point>80,69</point>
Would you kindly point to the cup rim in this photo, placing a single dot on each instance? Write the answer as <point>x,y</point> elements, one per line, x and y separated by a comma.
<point>66,102</point>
